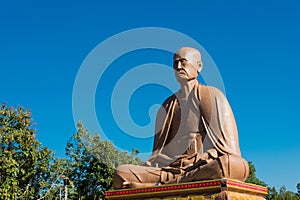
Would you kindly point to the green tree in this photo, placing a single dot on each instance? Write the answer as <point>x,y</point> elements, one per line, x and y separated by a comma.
<point>92,163</point>
<point>286,195</point>
<point>272,192</point>
<point>282,195</point>
<point>59,168</point>
<point>24,164</point>
<point>252,176</point>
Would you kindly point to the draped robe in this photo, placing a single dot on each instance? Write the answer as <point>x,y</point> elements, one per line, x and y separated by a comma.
<point>198,142</point>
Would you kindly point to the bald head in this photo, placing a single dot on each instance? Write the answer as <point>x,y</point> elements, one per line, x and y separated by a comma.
<point>191,55</point>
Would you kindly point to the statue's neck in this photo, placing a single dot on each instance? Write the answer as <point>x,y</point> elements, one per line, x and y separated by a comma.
<point>186,88</point>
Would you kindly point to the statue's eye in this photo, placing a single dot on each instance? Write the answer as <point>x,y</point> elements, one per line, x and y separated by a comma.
<point>183,61</point>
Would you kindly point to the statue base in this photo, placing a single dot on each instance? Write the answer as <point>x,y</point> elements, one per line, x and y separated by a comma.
<point>210,189</point>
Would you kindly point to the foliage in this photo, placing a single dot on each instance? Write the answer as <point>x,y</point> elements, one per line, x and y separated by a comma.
<point>92,163</point>
<point>252,176</point>
<point>272,194</point>
<point>58,168</point>
<point>24,163</point>
<point>282,195</point>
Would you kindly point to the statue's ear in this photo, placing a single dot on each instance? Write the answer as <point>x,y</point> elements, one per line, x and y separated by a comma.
<point>199,63</point>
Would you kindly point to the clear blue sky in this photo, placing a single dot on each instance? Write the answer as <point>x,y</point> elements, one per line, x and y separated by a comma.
<point>255,45</point>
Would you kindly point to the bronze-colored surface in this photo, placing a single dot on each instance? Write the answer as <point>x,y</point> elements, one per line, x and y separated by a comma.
<point>196,137</point>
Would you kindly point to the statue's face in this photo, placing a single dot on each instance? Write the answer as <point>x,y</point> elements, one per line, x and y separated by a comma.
<point>185,60</point>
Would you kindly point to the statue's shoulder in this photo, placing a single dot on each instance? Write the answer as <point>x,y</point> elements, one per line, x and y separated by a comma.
<point>209,92</point>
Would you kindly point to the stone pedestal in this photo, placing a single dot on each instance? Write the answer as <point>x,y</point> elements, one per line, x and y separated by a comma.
<point>210,189</point>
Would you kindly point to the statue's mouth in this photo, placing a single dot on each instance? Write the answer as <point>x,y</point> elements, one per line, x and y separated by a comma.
<point>181,71</point>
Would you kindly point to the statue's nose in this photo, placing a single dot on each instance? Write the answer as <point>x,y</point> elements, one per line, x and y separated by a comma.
<point>179,65</point>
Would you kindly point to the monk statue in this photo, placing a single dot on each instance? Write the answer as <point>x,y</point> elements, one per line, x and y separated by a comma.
<point>196,137</point>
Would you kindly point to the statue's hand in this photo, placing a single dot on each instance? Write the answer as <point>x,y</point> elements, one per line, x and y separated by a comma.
<point>206,157</point>
<point>212,153</point>
<point>203,156</point>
